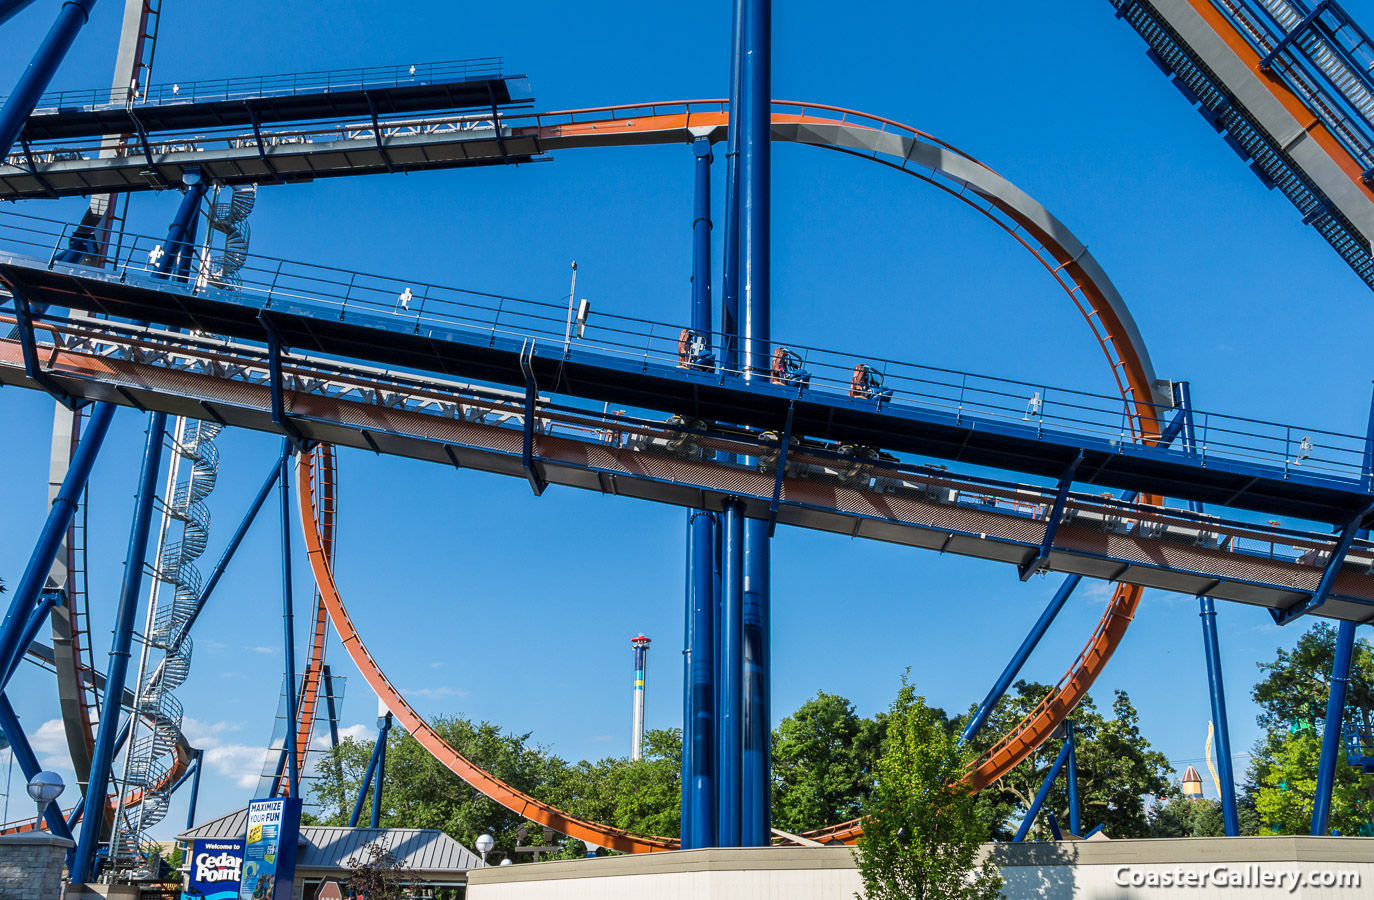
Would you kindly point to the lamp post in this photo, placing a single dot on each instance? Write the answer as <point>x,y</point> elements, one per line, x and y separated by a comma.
<point>484,844</point>
<point>44,788</point>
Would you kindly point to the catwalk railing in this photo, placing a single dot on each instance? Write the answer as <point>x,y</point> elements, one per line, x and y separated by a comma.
<point>1291,451</point>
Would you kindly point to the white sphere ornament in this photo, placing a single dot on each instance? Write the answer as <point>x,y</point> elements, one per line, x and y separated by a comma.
<point>45,787</point>
<point>507,861</point>
<point>484,844</point>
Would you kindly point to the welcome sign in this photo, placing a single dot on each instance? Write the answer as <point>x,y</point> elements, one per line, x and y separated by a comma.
<point>215,870</point>
<point>269,849</point>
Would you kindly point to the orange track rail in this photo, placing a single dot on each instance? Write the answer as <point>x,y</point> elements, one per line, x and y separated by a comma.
<point>516,801</point>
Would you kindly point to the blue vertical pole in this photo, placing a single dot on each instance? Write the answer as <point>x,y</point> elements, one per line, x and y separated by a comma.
<point>34,81</point>
<point>730,258</point>
<point>195,791</point>
<point>1340,678</point>
<point>1043,793</point>
<point>379,777</point>
<point>688,713</point>
<point>1072,762</point>
<point>37,619</point>
<point>698,751</point>
<point>701,800</point>
<point>1211,646</point>
<point>102,756</point>
<point>181,234</point>
<point>288,629</point>
<point>730,727</point>
<point>60,515</point>
<point>755,182</point>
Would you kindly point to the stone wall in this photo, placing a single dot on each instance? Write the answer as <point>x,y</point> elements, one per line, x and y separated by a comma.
<point>31,866</point>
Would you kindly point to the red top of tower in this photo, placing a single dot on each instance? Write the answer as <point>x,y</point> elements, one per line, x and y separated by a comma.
<point>640,641</point>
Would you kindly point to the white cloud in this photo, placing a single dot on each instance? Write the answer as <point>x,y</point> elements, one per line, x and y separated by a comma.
<point>357,733</point>
<point>434,692</point>
<point>272,650</point>
<point>435,665</point>
<point>205,735</point>
<point>240,762</point>
<point>49,744</point>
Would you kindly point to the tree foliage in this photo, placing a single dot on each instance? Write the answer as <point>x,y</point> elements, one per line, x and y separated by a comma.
<point>923,830</point>
<point>377,874</point>
<point>823,759</point>
<point>1292,696</point>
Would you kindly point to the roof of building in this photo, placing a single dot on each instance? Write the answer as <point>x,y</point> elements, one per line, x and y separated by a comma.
<point>424,850</point>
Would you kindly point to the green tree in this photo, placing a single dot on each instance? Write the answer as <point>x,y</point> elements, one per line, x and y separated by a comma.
<point>377,874</point>
<point>1283,770</point>
<point>823,760</point>
<point>1116,767</point>
<point>643,796</point>
<point>923,831</point>
<point>419,792</point>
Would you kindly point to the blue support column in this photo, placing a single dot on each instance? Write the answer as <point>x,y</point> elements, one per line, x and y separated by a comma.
<point>37,619</point>
<point>730,676</point>
<point>28,764</point>
<point>73,15</point>
<point>102,756</point>
<point>698,736</point>
<point>288,630</point>
<point>60,515</point>
<point>1331,734</point>
<point>379,777</point>
<point>195,791</point>
<point>730,256</point>
<point>755,184</point>
<point>1075,820</point>
<point>1211,646</point>
<point>367,781</point>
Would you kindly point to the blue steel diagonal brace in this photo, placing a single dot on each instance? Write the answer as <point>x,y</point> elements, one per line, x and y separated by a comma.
<point>782,471</point>
<point>262,147</point>
<point>1349,532</point>
<point>28,763</point>
<point>279,416</point>
<point>377,131</point>
<point>496,123</point>
<point>1052,520</point>
<point>1044,792</point>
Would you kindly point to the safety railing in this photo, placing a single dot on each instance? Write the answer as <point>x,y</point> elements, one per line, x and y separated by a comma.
<point>392,303</point>
<point>251,87</point>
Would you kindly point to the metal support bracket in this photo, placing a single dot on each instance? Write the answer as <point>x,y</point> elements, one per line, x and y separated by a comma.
<point>147,150</point>
<point>1349,531</point>
<point>377,131</point>
<point>262,147</point>
<point>279,416</point>
<point>496,124</point>
<point>532,473</point>
<point>33,168</point>
<point>781,473</point>
<point>1056,515</point>
<point>28,344</point>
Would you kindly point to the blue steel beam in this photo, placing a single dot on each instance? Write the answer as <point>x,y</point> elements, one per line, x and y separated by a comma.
<point>46,601</point>
<point>1075,820</point>
<point>1211,646</point>
<point>288,630</point>
<point>244,524</point>
<point>35,577</point>
<point>1348,533</point>
<point>28,764</point>
<point>102,756</point>
<point>73,15</point>
<point>1043,793</point>
<point>195,791</point>
<point>28,342</point>
<point>377,749</point>
<point>1332,730</point>
<point>730,674</point>
<point>698,736</point>
<point>379,776</point>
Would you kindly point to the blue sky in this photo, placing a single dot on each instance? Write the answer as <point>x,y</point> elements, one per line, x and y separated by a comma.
<point>479,598</point>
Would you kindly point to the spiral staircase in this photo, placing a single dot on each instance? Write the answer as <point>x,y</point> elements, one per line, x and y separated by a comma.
<point>230,218</point>
<point>158,714</point>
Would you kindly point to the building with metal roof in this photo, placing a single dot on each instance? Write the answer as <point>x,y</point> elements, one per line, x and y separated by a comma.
<point>325,852</point>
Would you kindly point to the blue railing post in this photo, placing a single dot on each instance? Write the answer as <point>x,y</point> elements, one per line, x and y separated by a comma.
<point>102,756</point>
<point>1211,646</point>
<point>73,15</point>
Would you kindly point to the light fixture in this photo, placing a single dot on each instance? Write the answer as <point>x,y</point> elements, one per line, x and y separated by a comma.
<point>484,844</point>
<point>584,309</point>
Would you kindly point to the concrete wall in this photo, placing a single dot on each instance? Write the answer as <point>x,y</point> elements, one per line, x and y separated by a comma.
<point>1193,868</point>
<point>31,866</point>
